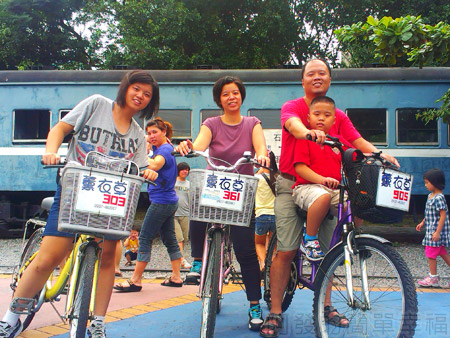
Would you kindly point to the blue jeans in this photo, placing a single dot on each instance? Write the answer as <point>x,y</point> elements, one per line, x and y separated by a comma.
<point>159,218</point>
<point>51,229</point>
<point>264,224</point>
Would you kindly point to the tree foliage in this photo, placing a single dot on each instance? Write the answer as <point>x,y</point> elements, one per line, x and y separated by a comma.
<point>174,34</point>
<point>40,32</point>
<point>404,41</point>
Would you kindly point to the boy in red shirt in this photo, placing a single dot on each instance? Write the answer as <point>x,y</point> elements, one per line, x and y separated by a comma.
<point>318,171</point>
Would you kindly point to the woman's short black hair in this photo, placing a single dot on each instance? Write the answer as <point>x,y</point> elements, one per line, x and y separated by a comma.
<point>217,89</point>
<point>140,76</point>
<point>183,166</point>
<point>436,177</point>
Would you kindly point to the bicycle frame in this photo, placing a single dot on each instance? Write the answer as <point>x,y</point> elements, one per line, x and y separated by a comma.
<point>70,271</point>
<point>224,250</point>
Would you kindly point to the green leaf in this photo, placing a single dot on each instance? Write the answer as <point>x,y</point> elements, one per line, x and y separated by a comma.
<point>406,36</point>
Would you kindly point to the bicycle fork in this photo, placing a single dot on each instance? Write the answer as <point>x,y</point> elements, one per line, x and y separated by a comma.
<point>350,250</point>
<point>75,276</point>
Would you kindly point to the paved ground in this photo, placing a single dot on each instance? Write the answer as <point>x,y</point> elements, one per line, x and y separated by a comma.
<point>159,311</point>
<point>175,312</point>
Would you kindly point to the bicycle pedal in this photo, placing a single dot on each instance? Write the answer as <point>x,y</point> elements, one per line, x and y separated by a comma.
<point>23,306</point>
<point>192,280</point>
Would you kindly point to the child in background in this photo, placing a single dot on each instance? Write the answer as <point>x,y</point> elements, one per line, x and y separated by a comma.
<point>265,216</point>
<point>437,230</point>
<point>182,214</point>
<point>131,245</point>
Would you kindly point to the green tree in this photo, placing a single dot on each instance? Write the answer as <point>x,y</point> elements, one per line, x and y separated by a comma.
<point>174,34</point>
<point>39,32</point>
<point>405,41</point>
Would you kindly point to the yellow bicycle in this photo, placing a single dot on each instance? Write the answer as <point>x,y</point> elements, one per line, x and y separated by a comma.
<point>97,200</point>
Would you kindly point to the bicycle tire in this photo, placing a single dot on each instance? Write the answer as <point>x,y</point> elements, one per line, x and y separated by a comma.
<point>210,292</point>
<point>392,293</point>
<point>82,297</point>
<point>32,246</point>
<point>292,283</point>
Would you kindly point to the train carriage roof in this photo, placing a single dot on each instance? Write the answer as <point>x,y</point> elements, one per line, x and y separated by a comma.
<point>253,75</point>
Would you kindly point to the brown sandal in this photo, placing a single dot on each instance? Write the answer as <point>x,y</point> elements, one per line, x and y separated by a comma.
<point>337,319</point>
<point>275,328</point>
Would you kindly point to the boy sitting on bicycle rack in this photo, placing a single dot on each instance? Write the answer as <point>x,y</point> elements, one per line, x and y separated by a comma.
<point>319,174</point>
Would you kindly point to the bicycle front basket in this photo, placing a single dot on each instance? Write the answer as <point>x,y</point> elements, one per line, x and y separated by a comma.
<point>222,197</point>
<point>363,177</point>
<point>98,202</point>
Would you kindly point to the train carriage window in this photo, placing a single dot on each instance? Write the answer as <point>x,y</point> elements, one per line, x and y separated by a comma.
<point>62,113</point>
<point>270,118</point>
<point>181,122</point>
<point>415,132</point>
<point>371,123</point>
<point>31,125</point>
<point>205,113</point>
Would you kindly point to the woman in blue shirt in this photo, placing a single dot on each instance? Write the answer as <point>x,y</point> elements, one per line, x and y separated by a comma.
<point>160,214</point>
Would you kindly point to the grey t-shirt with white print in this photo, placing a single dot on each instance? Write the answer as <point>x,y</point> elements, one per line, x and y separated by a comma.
<point>94,130</point>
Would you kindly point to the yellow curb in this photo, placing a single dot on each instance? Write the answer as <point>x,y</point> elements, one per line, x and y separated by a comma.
<point>120,314</point>
<point>160,306</point>
<point>133,311</point>
<point>111,319</point>
<point>433,290</point>
<point>171,301</point>
<point>192,297</point>
<point>145,308</point>
<point>34,334</point>
<point>53,330</point>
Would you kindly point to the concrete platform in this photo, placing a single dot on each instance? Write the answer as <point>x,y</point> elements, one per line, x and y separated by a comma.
<point>159,311</point>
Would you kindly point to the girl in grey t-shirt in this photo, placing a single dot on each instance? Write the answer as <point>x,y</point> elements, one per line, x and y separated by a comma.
<point>97,123</point>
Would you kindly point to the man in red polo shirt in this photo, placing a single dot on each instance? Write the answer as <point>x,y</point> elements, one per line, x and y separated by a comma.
<point>316,79</point>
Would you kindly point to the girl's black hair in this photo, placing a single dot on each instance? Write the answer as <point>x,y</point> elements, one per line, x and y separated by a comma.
<point>436,177</point>
<point>182,166</point>
<point>217,88</point>
<point>140,76</point>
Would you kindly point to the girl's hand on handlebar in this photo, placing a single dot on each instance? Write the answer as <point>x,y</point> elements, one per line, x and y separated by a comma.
<point>184,147</point>
<point>263,160</point>
<point>330,182</point>
<point>149,174</point>
<point>50,158</point>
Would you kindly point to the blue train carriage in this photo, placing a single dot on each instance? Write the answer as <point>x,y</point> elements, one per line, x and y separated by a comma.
<point>381,102</point>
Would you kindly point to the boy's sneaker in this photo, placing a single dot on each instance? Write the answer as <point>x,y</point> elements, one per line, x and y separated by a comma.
<point>255,318</point>
<point>429,282</point>
<point>193,276</point>
<point>311,249</point>
<point>96,329</point>
<point>8,331</point>
<point>185,264</point>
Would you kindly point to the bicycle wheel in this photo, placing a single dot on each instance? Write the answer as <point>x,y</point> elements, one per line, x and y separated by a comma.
<point>292,283</point>
<point>391,310</point>
<point>210,291</point>
<point>80,308</point>
<point>32,246</point>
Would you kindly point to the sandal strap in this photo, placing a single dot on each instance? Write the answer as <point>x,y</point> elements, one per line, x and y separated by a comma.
<point>328,309</point>
<point>274,316</point>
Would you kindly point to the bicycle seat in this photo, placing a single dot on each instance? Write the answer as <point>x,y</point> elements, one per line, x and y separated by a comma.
<point>47,203</point>
<point>302,213</point>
